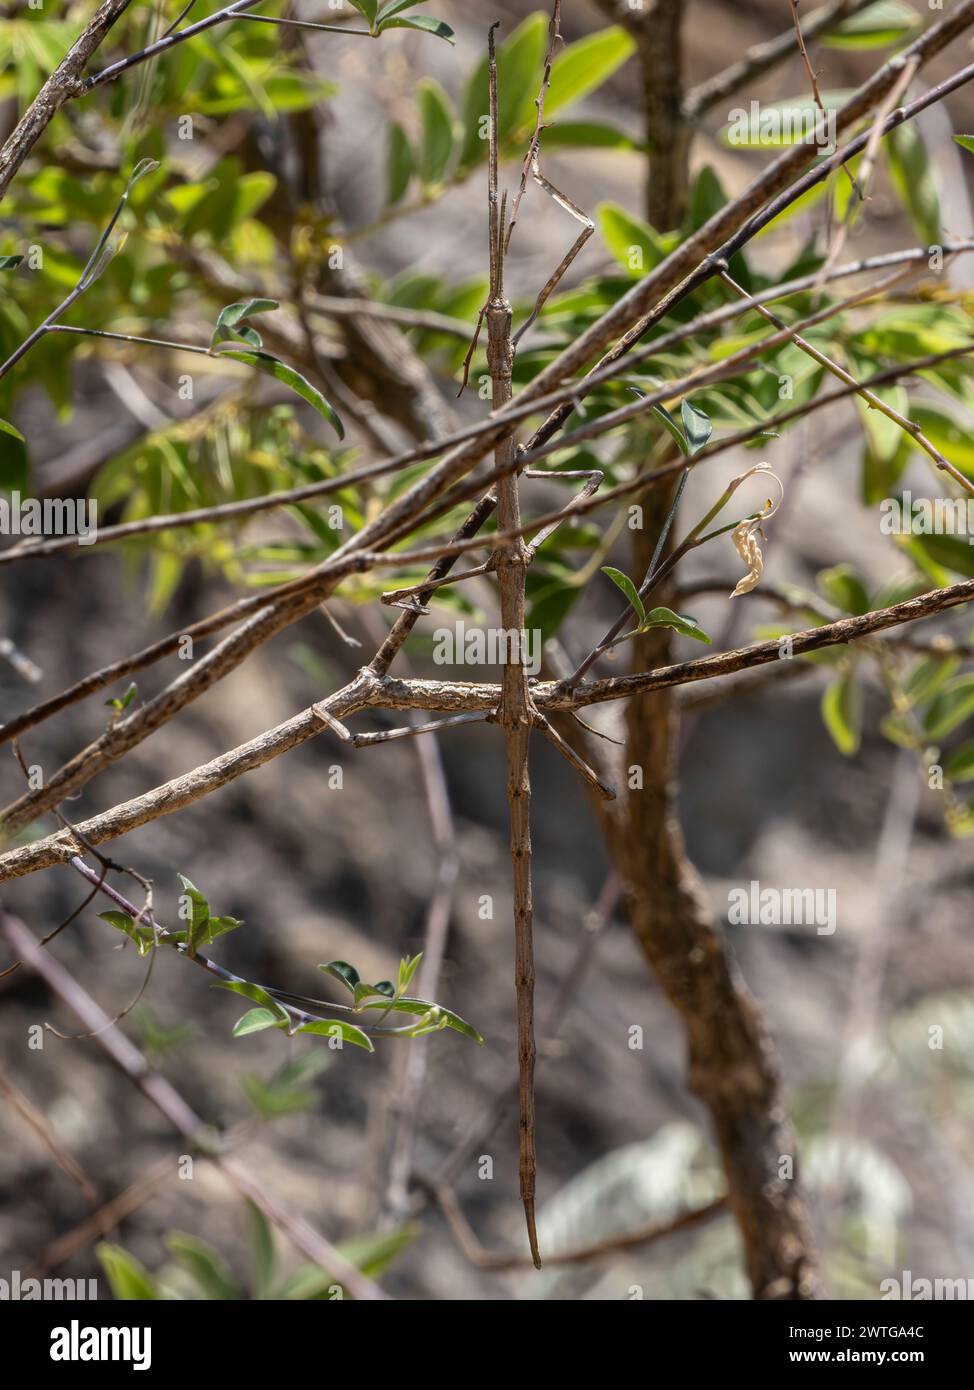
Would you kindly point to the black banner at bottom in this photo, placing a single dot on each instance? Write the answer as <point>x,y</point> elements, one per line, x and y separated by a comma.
<point>170,1339</point>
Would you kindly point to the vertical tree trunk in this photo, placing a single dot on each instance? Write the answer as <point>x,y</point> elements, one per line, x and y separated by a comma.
<point>732,1067</point>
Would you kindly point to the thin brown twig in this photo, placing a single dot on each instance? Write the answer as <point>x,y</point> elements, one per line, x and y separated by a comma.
<point>816,90</point>
<point>866,163</point>
<point>763,57</point>
<point>37,1122</point>
<point>466,1237</point>
<point>106,1218</point>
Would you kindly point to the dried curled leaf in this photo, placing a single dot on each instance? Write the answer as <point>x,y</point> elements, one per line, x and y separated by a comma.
<point>745,541</point>
<point>745,534</point>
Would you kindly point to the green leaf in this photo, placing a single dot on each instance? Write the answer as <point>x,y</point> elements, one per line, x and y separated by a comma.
<point>199,915</point>
<point>219,926</point>
<point>140,934</point>
<point>436,144</point>
<point>634,244</point>
<point>341,970</point>
<point>952,707</point>
<point>439,1016</point>
<point>842,586</point>
<point>665,617</point>
<point>274,367</point>
<point>886,22</point>
<point>960,822</point>
<point>14,468</point>
<point>367,8</point>
<point>127,1279</point>
<point>254,1021</point>
<point>928,676</point>
<point>586,135</point>
<point>234,314</point>
<point>697,425</point>
<point>262,1250</point>
<point>913,331</point>
<point>966,142</point>
<point>123,701</point>
<point>402,163</point>
<point>842,712</point>
<point>394,7</point>
<point>425,23</point>
<point>582,66</point>
<point>288,1091</point>
<point>941,556</point>
<point>706,197</point>
<point>661,413</point>
<point>306,1284</point>
<point>519,62</point>
<point>888,448</point>
<point>797,120</point>
<point>407,969</point>
<point>363,991</point>
<point>10,262</point>
<point>623,582</point>
<point>204,1264</point>
<point>372,1254</point>
<point>334,1028</point>
<point>959,767</point>
<point>258,995</point>
<point>913,181</point>
<point>947,433</point>
<point>897,728</point>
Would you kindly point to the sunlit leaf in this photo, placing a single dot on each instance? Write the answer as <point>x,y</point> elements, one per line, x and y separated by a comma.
<point>273,366</point>
<point>623,582</point>
<point>842,712</point>
<point>128,1280</point>
<point>255,1021</point>
<point>335,1028</point>
<point>258,995</point>
<point>584,65</point>
<point>425,23</point>
<point>14,467</point>
<point>341,970</point>
<point>436,118</point>
<point>402,164</point>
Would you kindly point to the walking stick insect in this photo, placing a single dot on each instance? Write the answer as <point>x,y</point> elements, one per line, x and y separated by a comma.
<point>516,714</point>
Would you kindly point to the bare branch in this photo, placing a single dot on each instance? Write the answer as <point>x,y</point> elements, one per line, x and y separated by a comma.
<point>453,697</point>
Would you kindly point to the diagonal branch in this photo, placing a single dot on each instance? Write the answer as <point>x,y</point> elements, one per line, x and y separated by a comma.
<point>368,691</point>
<point>63,83</point>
